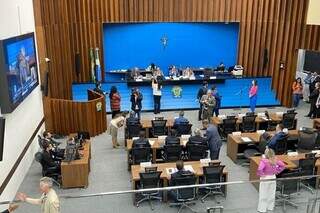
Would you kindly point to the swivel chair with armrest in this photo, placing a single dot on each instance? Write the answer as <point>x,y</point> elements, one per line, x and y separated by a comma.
<point>184,197</point>
<point>149,180</point>
<point>288,120</point>
<point>213,174</point>
<point>306,140</point>
<point>281,146</point>
<point>196,152</point>
<point>307,168</point>
<point>133,130</point>
<point>248,123</point>
<point>158,127</point>
<point>172,152</point>
<point>229,125</point>
<point>183,129</point>
<point>140,155</point>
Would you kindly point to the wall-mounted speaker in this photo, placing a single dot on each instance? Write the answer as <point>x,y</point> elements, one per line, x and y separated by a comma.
<point>265,58</point>
<point>77,60</point>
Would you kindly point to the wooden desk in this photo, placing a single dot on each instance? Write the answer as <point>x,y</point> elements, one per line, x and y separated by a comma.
<point>290,162</point>
<point>76,173</point>
<point>147,125</point>
<point>157,145</point>
<point>235,145</point>
<point>196,165</point>
<point>316,123</point>
<point>273,116</point>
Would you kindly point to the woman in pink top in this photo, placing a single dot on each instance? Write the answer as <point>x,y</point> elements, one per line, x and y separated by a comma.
<point>253,95</point>
<point>269,166</point>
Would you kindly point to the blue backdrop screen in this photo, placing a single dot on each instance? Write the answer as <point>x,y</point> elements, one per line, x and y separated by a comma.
<point>188,44</point>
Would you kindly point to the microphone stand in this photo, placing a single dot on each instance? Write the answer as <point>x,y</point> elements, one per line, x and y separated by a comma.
<point>240,92</point>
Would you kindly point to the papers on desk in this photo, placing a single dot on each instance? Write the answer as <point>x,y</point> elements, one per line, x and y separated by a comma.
<point>241,115</point>
<point>139,80</point>
<point>161,139</point>
<point>170,171</point>
<point>176,78</point>
<point>279,113</point>
<point>151,142</point>
<point>291,154</point>
<point>202,76</point>
<point>145,164</point>
<point>205,162</point>
<point>135,138</point>
<point>316,151</point>
<point>213,77</point>
<point>261,114</point>
<point>167,77</point>
<point>265,119</point>
<point>260,132</point>
<point>246,139</point>
<point>192,78</point>
<point>188,168</point>
<point>222,116</point>
<point>236,133</point>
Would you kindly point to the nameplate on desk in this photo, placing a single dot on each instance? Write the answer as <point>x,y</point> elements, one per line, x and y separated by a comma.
<point>213,77</point>
<point>241,115</point>
<point>139,80</point>
<point>222,116</point>
<point>171,170</point>
<point>246,139</point>
<point>185,137</point>
<point>236,133</point>
<point>135,138</point>
<point>205,162</point>
<point>265,118</point>
<point>279,113</point>
<point>151,142</point>
<point>261,114</point>
<point>260,132</point>
<point>176,78</point>
<point>316,152</point>
<point>167,77</point>
<point>145,164</point>
<point>291,154</point>
<point>192,78</point>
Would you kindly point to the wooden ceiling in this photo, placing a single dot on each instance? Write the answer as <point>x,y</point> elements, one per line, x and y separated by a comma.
<point>67,27</point>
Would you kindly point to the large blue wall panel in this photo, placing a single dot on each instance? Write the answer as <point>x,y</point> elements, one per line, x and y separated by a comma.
<point>189,44</point>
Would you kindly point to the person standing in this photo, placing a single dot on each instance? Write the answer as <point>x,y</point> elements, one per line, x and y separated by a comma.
<point>313,100</point>
<point>217,97</point>
<point>306,87</point>
<point>297,90</point>
<point>213,138</point>
<point>202,91</point>
<point>99,89</point>
<point>253,95</point>
<point>156,88</point>
<point>136,102</point>
<point>49,200</point>
<point>116,123</point>
<point>115,100</point>
<point>269,166</point>
<point>208,104</point>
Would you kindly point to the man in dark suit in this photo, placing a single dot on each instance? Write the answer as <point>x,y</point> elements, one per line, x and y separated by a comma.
<point>214,139</point>
<point>11,208</point>
<point>180,173</point>
<point>141,142</point>
<point>98,89</point>
<point>202,91</point>
<point>197,138</point>
<point>55,151</point>
<point>136,101</point>
<point>313,100</point>
<point>47,160</point>
<point>279,135</point>
<point>172,139</point>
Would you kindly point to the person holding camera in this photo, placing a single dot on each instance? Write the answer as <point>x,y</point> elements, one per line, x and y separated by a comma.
<point>136,102</point>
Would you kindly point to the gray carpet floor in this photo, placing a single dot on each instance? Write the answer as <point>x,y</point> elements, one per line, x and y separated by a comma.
<point>109,173</point>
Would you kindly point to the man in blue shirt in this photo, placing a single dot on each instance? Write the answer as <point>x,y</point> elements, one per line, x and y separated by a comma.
<point>213,138</point>
<point>279,135</point>
<point>181,119</point>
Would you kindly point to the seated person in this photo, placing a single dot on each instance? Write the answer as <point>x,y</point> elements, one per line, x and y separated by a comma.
<point>221,67</point>
<point>172,139</point>
<point>47,159</point>
<point>135,74</point>
<point>48,137</point>
<point>187,73</point>
<point>141,142</point>
<point>279,135</point>
<point>132,119</point>
<point>173,71</point>
<point>180,173</point>
<point>151,67</point>
<point>55,151</point>
<point>181,119</point>
<point>197,138</point>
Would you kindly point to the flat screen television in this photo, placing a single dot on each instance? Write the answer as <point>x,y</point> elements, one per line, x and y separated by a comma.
<point>2,127</point>
<point>18,70</point>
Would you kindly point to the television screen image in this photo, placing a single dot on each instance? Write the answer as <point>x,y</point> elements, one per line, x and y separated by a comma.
<point>20,58</point>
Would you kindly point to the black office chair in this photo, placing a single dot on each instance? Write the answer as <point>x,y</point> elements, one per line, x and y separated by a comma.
<point>140,155</point>
<point>172,153</point>
<point>281,146</point>
<point>248,123</point>
<point>183,129</point>
<point>229,125</point>
<point>149,180</point>
<point>288,120</point>
<point>184,197</point>
<point>52,172</point>
<point>306,141</point>
<point>133,130</point>
<point>255,150</point>
<point>40,141</point>
<point>196,152</point>
<point>307,168</point>
<point>213,174</point>
<point>287,188</point>
<point>158,127</point>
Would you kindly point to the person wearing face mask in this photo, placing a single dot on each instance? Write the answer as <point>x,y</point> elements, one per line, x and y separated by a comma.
<point>253,95</point>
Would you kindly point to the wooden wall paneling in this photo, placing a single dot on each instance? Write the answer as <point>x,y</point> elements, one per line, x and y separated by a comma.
<point>263,44</point>
<point>252,38</point>
<point>258,50</point>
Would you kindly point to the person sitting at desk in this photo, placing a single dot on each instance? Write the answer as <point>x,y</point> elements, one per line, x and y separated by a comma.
<point>47,160</point>
<point>55,151</point>
<point>173,71</point>
<point>172,139</point>
<point>187,73</point>
<point>48,137</point>
<point>180,173</point>
<point>279,135</point>
<point>180,120</point>
<point>221,67</point>
<point>152,67</point>
<point>141,142</point>
<point>135,74</point>
<point>197,139</point>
